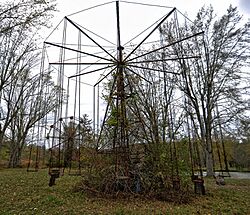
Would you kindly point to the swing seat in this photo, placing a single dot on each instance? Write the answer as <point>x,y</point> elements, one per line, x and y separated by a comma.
<point>199,187</point>
<point>220,180</point>
<point>54,174</point>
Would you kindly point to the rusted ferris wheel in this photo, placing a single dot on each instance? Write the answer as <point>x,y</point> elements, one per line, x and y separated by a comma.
<point>97,60</point>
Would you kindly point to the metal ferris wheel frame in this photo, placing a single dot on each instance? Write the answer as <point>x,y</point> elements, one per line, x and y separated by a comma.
<point>118,64</point>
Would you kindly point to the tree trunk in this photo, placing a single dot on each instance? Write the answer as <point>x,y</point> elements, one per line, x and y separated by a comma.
<point>15,157</point>
<point>209,148</point>
<point>1,138</point>
<point>209,163</point>
<point>209,157</point>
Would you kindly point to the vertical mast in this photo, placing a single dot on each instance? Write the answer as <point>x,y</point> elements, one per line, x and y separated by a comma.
<point>121,145</point>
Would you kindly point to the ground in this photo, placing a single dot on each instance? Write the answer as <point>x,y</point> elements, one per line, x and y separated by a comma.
<point>29,193</point>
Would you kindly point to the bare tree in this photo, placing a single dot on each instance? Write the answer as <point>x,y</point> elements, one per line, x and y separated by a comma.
<point>217,78</point>
<point>20,22</point>
<point>29,103</point>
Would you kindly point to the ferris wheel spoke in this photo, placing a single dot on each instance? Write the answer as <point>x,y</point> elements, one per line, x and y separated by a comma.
<point>130,41</point>
<point>166,46</point>
<point>101,47</point>
<point>75,63</point>
<point>75,50</point>
<point>151,69</point>
<point>138,75</point>
<point>104,77</point>
<point>164,59</point>
<point>67,61</point>
<point>96,70</point>
<point>88,65</point>
<point>155,28</point>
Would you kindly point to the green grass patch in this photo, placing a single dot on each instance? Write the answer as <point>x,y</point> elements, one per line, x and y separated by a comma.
<point>29,193</point>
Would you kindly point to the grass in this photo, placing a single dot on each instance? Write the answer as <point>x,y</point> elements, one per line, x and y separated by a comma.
<point>29,193</point>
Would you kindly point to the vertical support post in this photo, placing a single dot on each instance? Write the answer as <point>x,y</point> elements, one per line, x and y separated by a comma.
<point>121,146</point>
<point>98,107</point>
<point>94,112</point>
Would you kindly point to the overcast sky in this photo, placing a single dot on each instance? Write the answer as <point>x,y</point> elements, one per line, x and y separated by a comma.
<point>104,16</point>
<point>190,6</point>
